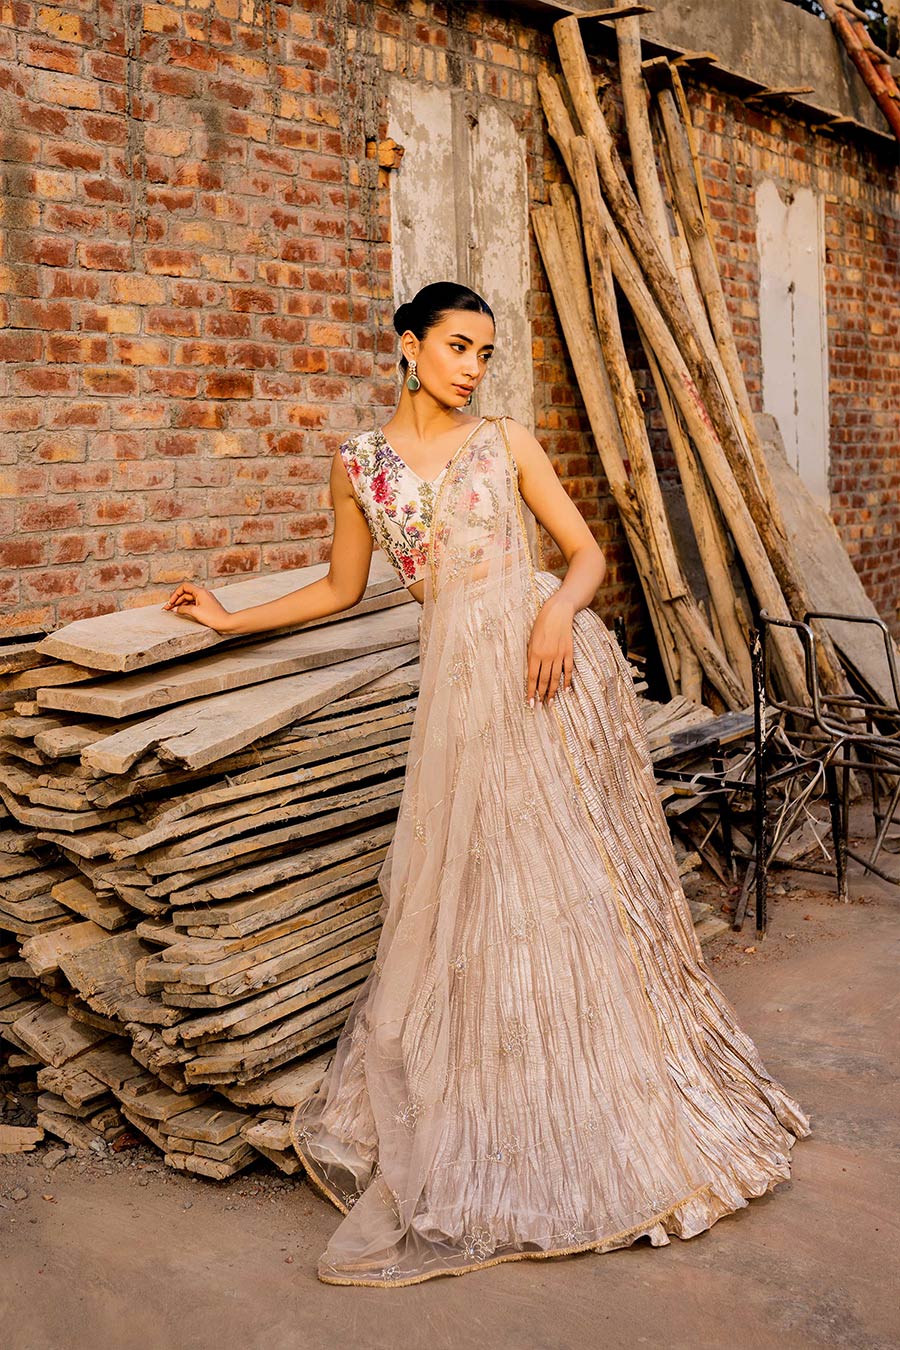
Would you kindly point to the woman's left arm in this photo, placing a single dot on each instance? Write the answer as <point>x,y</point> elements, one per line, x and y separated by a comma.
<point>550,649</point>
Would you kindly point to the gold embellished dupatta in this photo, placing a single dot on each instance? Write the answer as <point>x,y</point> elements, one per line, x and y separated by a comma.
<point>538,1062</point>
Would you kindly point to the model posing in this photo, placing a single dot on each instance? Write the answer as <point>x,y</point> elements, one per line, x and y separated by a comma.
<point>539,1061</point>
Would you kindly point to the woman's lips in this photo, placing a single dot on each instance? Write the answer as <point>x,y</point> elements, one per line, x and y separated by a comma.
<point>464,388</point>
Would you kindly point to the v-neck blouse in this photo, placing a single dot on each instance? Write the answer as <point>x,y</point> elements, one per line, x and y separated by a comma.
<point>397,503</point>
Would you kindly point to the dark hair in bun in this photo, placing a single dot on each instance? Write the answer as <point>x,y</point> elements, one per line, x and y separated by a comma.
<point>431,303</point>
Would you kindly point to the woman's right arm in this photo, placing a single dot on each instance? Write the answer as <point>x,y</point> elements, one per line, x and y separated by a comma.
<point>343,587</point>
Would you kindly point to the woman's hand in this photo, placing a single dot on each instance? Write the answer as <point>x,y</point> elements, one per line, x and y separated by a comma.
<point>193,602</point>
<point>550,649</point>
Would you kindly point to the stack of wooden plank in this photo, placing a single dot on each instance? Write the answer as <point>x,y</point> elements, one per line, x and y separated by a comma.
<point>190,843</point>
<point>650,241</point>
<point>192,832</point>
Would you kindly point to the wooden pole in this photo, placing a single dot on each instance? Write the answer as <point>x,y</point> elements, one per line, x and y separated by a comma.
<point>624,206</point>
<point>637,122</point>
<point>707,530</point>
<point>863,62</point>
<point>686,395</point>
<point>733,633</point>
<point>585,353</point>
<point>688,209</point>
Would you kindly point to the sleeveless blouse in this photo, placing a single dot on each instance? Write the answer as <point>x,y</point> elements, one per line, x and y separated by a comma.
<point>397,503</point>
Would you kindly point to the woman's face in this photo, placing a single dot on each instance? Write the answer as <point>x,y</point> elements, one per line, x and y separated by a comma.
<point>453,356</point>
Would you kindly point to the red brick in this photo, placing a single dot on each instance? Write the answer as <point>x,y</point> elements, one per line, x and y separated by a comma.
<point>110,381</point>
<point>106,257</point>
<point>227,385</point>
<point>71,347</point>
<point>23,552</point>
<point>20,346</point>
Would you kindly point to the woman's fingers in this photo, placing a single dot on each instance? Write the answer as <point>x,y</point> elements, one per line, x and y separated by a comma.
<point>183,594</point>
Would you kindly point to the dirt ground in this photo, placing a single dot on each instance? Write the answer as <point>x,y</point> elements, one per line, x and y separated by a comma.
<point>120,1253</point>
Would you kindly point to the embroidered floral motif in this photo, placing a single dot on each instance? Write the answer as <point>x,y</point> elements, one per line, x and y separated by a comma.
<point>478,1243</point>
<point>523,928</point>
<point>459,964</point>
<point>409,1112</point>
<point>419,831</point>
<point>514,1037</point>
<point>506,1152</point>
<point>397,503</point>
<point>390,1272</point>
<point>350,1197</point>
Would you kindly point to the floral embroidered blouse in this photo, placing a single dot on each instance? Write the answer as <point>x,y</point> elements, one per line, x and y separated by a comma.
<point>397,503</point>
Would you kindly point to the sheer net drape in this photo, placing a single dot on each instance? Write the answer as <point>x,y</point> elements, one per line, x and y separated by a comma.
<point>539,1061</point>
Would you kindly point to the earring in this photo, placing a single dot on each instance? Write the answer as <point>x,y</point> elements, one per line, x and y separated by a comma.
<point>413,382</point>
<point>468,401</point>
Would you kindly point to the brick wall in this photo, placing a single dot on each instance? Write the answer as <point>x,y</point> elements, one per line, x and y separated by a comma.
<point>197,296</point>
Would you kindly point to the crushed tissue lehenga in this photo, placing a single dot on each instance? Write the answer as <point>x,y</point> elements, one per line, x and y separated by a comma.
<point>539,1061</point>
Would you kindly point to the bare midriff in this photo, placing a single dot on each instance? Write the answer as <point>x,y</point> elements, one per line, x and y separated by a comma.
<point>473,573</point>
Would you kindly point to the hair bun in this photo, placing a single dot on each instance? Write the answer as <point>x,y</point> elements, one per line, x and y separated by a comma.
<point>402,318</point>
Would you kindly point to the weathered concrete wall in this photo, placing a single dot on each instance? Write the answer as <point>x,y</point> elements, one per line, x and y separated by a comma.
<point>773,44</point>
<point>793,330</point>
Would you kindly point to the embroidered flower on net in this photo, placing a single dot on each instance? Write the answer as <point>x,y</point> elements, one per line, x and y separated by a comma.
<point>456,671</point>
<point>410,1112</point>
<point>390,1272</point>
<point>419,830</point>
<point>574,1233</point>
<point>590,1123</point>
<point>478,1243</point>
<point>523,927</point>
<point>590,1013</point>
<point>527,810</point>
<point>429,1004</point>
<point>507,1152</point>
<point>514,1037</point>
<point>459,964</point>
<point>360,1030</point>
<point>350,1197</point>
<point>303,1135</point>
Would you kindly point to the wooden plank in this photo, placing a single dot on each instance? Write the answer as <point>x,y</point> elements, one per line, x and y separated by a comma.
<point>130,639</point>
<point>72,1084</point>
<point>369,802</point>
<point>300,933</point>
<point>200,732</point>
<point>246,805</point>
<point>104,976</point>
<point>833,582</point>
<point>43,952</point>
<point>259,1011</point>
<point>288,1086</point>
<point>80,897</point>
<point>240,882</point>
<point>209,1124</point>
<point>158,1103</point>
<point>19,1138</point>
<point>53,1036</point>
<point>210,1167</point>
<point>237,668</point>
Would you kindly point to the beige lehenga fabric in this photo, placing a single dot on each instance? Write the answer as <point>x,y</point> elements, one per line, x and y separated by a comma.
<point>539,1061</point>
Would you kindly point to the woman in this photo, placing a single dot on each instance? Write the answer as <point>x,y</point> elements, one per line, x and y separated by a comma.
<point>539,1061</point>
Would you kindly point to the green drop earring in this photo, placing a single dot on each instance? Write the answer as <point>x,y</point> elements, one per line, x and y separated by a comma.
<point>413,382</point>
